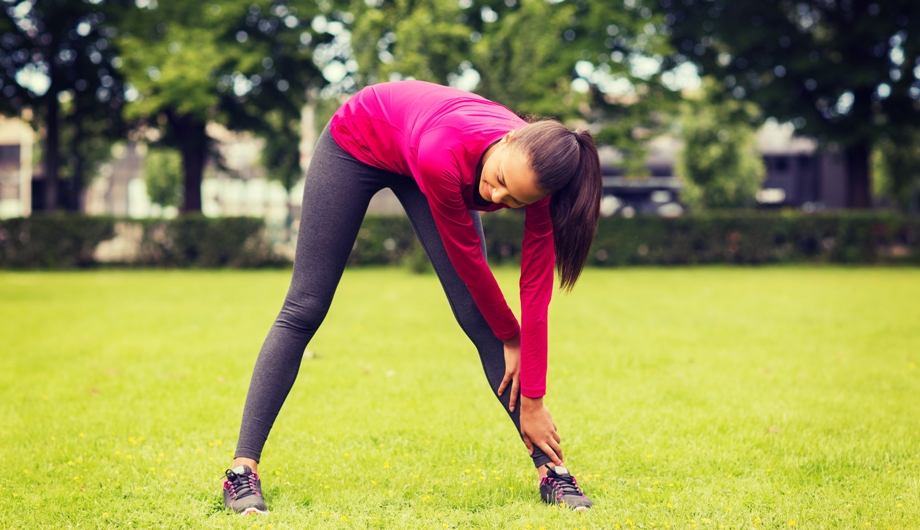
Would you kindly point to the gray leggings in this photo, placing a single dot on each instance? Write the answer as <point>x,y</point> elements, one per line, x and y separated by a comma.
<point>337,191</point>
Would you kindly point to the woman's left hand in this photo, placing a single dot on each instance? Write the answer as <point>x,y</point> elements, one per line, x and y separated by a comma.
<point>539,430</point>
<point>512,369</point>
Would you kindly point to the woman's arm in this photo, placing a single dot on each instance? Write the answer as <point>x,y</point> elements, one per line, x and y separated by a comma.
<point>461,240</point>
<point>537,260</point>
<point>538,257</point>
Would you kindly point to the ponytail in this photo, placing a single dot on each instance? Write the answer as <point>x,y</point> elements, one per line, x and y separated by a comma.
<point>566,165</point>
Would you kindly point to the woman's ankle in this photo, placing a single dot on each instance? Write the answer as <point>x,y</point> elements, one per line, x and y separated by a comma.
<point>253,465</point>
<point>541,470</point>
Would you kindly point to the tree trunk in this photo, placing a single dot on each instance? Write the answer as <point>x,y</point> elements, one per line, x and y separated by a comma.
<point>193,144</point>
<point>78,161</point>
<point>52,153</point>
<point>857,159</point>
<point>913,200</point>
<point>75,196</point>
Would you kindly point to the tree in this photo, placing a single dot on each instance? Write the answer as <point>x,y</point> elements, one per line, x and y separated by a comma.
<point>514,55</point>
<point>523,58</point>
<point>58,58</point>
<point>163,176</point>
<point>842,71</point>
<point>633,79</point>
<point>719,164</point>
<point>247,65</point>
<point>897,169</point>
<point>574,61</point>
<point>395,39</point>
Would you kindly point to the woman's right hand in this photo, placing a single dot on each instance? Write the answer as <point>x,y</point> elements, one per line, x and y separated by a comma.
<point>539,430</point>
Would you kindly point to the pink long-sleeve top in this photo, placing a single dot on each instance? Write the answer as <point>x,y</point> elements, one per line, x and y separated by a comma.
<point>437,135</point>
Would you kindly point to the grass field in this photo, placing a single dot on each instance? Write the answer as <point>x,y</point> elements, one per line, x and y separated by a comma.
<point>686,398</point>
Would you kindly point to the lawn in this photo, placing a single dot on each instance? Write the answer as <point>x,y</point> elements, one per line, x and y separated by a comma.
<point>686,398</point>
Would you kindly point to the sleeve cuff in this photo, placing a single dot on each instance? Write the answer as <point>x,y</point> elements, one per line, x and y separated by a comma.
<point>533,393</point>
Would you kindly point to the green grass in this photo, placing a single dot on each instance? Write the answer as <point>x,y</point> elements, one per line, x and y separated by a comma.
<point>695,398</point>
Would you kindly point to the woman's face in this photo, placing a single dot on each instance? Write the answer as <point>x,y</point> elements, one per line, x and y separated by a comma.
<point>507,177</point>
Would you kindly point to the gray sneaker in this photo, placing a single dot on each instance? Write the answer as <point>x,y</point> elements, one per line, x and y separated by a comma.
<point>243,491</point>
<point>560,487</point>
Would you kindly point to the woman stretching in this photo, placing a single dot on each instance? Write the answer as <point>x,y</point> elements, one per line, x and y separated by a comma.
<point>447,155</point>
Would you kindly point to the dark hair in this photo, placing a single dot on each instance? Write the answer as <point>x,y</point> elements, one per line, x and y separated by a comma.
<point>566,165</point>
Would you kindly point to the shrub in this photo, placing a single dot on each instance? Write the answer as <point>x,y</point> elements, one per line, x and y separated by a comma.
<point>725,237</point>
<point>758,237</point>
<point>70,241</point>
<point>59,241</point>
<point>198,241</point>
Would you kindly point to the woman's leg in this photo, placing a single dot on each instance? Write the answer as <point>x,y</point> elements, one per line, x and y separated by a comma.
<point>491,350</point>
<point>337,191</point>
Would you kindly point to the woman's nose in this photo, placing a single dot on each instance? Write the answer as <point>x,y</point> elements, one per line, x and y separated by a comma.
<point>498,195</point>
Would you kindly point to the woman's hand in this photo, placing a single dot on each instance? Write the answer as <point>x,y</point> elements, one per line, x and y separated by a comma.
<point>512,369</point>
<point>539,430</point>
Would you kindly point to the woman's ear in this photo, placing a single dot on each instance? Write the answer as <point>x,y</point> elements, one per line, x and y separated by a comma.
<point>507,137</point>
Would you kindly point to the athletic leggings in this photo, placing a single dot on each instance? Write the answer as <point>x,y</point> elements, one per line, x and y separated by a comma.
<point>336,193</point>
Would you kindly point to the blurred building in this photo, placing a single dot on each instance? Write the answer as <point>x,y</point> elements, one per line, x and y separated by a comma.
<point>238,185</point>
<point>798,175</point>
<point>16,140</point>
<point>118,186</point>
<point>655,194</point>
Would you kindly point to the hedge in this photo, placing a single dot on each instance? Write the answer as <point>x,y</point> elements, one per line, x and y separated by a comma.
<point>69,241</point>
<point>52,242</point>
<point>759,237</point>
<point>730,237</point>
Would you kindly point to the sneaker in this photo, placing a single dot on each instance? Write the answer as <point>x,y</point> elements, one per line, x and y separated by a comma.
<point>243,491</point>
<point>559,487</point>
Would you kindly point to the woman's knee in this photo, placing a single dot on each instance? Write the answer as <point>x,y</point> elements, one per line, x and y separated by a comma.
<point>304,312</point>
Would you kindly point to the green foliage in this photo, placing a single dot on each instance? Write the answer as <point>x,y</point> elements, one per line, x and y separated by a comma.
<point>382,240</point>
<point>729,237</point>
<point>65,55</point>
<point>526,55</point>
<point>245,65</point>
<point>197,241</point>
<point>840,71</point>
<point>163,176</point>
<point>719,164</point>
<point>423,40</point>
<point>520,58</point>
<point>417,260</point>
<point>281,153</point>
<point>758,237</point>
<point>525,63</point>
<point>56,241</point>
<point>177,77</point>
<point>797,60</point>
<point>323,112</point>
<point>897,169</point>
<point>627,46</point>
<point>65,242</point>
<point>745,397</point>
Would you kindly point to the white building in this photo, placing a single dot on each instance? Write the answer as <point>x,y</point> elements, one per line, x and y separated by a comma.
<point>16,140</point>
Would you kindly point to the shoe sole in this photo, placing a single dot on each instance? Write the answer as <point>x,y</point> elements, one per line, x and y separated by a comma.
<point>576,509</point>
<point>254,511</point>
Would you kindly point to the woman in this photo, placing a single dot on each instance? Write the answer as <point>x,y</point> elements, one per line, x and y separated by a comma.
<point>446,154</point>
